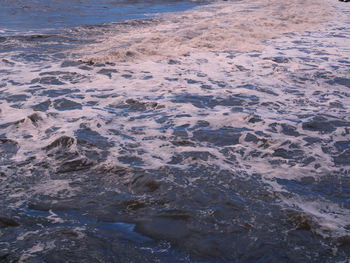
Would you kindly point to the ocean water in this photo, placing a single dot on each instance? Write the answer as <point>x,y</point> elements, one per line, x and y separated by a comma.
<point>219,133</point>
<point>41,15</point>
<point>42,29</point>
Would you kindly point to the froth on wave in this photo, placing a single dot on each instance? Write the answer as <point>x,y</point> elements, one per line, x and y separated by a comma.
<point>234,25</point>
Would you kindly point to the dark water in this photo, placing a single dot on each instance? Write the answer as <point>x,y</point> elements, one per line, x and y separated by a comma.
<point>222,157</point>
<point>42,15</point>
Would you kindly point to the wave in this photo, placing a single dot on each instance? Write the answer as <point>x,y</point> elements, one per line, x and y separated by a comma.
<point>234,25</point>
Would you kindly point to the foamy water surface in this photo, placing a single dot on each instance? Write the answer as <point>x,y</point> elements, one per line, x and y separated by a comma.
<point>219,134</point>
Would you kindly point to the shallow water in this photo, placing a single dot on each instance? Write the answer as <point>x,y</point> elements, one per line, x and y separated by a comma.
<point>211,156</point>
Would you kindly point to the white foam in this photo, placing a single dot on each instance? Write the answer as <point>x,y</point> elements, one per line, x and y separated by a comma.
<point>237,25</point>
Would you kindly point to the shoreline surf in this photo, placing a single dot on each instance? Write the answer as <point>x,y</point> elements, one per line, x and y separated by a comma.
<point>220,26</point>
<point>180,151</point>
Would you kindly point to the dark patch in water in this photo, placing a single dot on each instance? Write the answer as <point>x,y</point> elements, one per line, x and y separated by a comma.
<point>87,137</point>
<point>144,184</point>
<point>70,63</point>
<point>192,155</point>
<point>131,160</point>
<point>319,124</point>
<point>165,227</point>
<point>35,119</point>
<point>8,148</point>
<point>290,130</point>
<point>47,81</point>
<point>74,166</point>
<point>16,98</point>
<point>251,138</point>
<point>72,77</point>
<point>343,158</point>
<point>312,140</point>
<point>174,62</point>
<point>342,145</point>
<point>208,101</point>
<point>7,222</point>
<point>340,81</point>
<point>43,106</point>
<point>63,141</point>
<point>107,72</point>
<point>52,93</point>
<point>136,105</point>
<point>183,142</point>
<point>222,137</point>
<point>65,104</point>
<point>288,154</point>
<point>126,76</point>
<point>124,231</point>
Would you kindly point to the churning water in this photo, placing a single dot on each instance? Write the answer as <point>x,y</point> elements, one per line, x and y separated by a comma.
<point>218,134</point>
